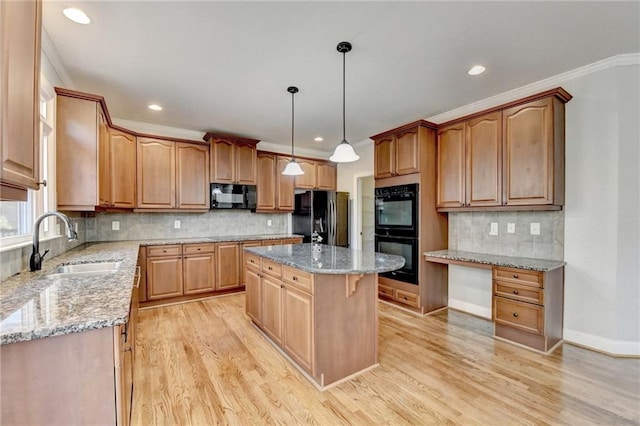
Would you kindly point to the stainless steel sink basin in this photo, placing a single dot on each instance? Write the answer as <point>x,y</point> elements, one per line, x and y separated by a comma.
<point>86,269</point>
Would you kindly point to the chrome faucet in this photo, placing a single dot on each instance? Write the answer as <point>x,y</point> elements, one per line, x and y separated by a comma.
<point>35,262</point>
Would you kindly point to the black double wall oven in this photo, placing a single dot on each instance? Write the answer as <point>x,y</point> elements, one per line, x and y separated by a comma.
<point>396,228</point>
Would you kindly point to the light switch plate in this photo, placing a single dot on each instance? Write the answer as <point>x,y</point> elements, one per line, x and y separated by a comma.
<point>176,224</point>
<point>535,228</point>
<point>494,228</point>
<point>115,225</point>
<point>511,228</point>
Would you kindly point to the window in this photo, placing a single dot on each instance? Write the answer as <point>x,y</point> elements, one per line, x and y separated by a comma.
<point>17,217</point>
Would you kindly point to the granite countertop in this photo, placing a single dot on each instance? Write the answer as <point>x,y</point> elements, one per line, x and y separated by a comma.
<point>34,305</point>
<point>542,265</point>
<point>324,259</point>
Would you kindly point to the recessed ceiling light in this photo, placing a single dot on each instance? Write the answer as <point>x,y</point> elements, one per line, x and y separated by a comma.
<point>155,107</point>
<point>318,139</point>
<point>476,69</point>
<point>76,15</point>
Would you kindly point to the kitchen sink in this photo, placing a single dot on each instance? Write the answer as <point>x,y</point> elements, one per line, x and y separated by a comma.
<point>85,269</point>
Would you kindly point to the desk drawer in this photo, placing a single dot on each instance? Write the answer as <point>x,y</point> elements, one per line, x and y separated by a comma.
<point>385,291</point>
<point>518,292</point>
<point>297,278</point>
<point>168,250</point>
<point>518,276</point>
<point>272,268</point>
<point>524,316</point>
<point>198,248</point>
<point>252,261</point>
<point>407,298</point>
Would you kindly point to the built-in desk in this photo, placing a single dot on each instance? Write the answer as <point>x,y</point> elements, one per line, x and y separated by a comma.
<point>527,295</point>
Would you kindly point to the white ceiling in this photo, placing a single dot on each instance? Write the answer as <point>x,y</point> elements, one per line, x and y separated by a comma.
<point>225,66</point>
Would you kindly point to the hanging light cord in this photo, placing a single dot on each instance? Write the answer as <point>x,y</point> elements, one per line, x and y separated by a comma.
<point>344,132</point>
<point>292,124</point>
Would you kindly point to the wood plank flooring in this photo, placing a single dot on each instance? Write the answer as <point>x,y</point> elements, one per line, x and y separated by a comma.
<point>203,363</point>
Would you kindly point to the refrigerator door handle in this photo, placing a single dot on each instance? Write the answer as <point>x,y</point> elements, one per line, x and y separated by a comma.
<point>334,221</point>
<point>331,223</point>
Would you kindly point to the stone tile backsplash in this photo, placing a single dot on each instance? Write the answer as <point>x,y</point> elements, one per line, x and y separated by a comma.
<point>470,231</point>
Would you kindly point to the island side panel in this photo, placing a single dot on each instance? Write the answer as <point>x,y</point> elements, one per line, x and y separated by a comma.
<point>346,334</point>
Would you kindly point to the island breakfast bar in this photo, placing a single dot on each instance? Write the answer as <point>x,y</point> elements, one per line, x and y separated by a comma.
<point>318,305</point>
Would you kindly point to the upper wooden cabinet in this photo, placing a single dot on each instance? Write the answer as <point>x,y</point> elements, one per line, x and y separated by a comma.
<point>507,158</point>
<point>122,169</point>
<point>469,163</point>
<point>172,175</point>
<point>233,159</point>
<point>285,200</point>
<point>20,22</point>
<point>318,174</point>
<point>275,190</point>
<point>397,152</point>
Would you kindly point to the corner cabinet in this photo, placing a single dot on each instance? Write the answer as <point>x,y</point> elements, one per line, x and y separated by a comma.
<point>21,23</point>
<point>398,153</point>
<point>233,159</point>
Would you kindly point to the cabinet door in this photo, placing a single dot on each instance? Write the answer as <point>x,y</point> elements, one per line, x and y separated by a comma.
<point>243,264</point>
<point>272,308</point>
<point>192,174</point>
<point>164,277</point>
<point>484,160</point>
<point>451,164</point>
<point>266,186</point>
<point>104,167</point>
<point>222,161</point>
<point>253,295</point>
<point>156,173</point>
<point>298,326</point>
<point>227,266</point>
<point>20,95</point>
<point>285,200</point>
<point>407,152</point>
<point>245,169</point>
<point>199,273</point>
<point>327,175</point>
<point>308,180</point>
<point>122,169</point>
<point>528,153</point>
<point>385,157</point>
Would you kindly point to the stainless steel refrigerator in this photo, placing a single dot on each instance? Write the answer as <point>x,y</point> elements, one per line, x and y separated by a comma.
<point>325,212</point>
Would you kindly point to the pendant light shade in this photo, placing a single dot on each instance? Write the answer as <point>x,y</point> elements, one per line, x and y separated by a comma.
<point>344,152</point>
<point>292,168</point>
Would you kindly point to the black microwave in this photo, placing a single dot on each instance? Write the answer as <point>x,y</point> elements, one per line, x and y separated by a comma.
<point>228,196</point>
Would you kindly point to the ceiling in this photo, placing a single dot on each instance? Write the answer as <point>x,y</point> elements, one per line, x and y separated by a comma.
<point>225,66</point>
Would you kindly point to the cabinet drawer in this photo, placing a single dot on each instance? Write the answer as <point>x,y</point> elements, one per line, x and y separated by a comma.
<point>252,260</point>
<point>169,250</point>
<point>524,316</point>
<point>518,292</point>
<point>298,279</point>
<point>407,298</point>
<point>271,268</point>
<point>385,291</point>
<point>518,276</point>
<point>198,248</point>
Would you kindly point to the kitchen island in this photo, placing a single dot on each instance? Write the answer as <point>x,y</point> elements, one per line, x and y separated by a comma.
<point>318,305</point>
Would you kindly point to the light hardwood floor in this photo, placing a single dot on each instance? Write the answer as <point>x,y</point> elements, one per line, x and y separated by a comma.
<point>203,363</point>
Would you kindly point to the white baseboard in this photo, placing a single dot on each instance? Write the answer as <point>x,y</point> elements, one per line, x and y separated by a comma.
<point>479,311</point>
<point>602,344</point>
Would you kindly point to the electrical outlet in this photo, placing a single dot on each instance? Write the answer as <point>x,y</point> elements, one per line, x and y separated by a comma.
<point>269,222</point>
<point>176,224</point>
<point>494,228</point>
<point>115,225</point>
<point>535,228</point>
<point>511,228</point>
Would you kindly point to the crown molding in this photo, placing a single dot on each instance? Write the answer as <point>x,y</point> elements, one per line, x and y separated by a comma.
<point>538,86</point>
<point>156,129</point>
<point>51,53</point>
<point>284,149</point>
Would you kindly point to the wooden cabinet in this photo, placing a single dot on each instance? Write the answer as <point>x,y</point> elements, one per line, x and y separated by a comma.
<point>253,285</point>
<point>172,175</point>
<point>272,307</point>
<point>199,268</point>
<point>397,154</point>
<point>228,274</point>
<point>297,314</point>
<point>469,163</point>
<point>233,159</point>
<point>244,254</point>
<point>398,291</point>
<point>20,97</point>
<point>509,157</point>
<point>528,306</point>
<point>164,272</point>
<point>275,190</point>
<point>317,175</point>
<point>122,169</point>
<point>104,169</point>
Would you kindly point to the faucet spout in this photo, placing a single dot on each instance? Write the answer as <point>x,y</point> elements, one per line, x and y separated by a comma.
<point>35,261</point>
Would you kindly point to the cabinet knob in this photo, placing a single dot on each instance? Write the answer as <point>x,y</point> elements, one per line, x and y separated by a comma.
<point>270,268</point>
<point>515,275</point>
<point>515,291</point>
<point>164,251</point>
<point>198,248</point>
<point>295,278</point>
<point>515,315</point>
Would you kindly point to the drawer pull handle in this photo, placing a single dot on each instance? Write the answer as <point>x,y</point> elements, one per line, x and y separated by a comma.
<point>270,268</point>
<point>515,275</point>
<point>164,251</point>
<point>515,291</point>
<point>515,315</point>
<point>295,278</point>
<point>198,248</point>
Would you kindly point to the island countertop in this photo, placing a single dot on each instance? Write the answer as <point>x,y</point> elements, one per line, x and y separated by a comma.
<point>324,259</point>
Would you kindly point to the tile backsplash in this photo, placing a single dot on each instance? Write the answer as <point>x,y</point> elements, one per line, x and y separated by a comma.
<point>470,231</point>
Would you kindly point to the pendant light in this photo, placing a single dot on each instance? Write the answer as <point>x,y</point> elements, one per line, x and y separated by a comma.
<point>344,152</point>
<point>292,168</point>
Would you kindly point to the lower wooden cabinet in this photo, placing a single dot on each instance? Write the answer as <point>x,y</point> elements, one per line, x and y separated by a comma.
<point>272,307</point>
<point>253,287</point>
<point>244,258</point>
<point>164,277</point>
<point>399,292</point>
<point>228,266</point>
<point>297,313</point>
<point>199,268</point>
